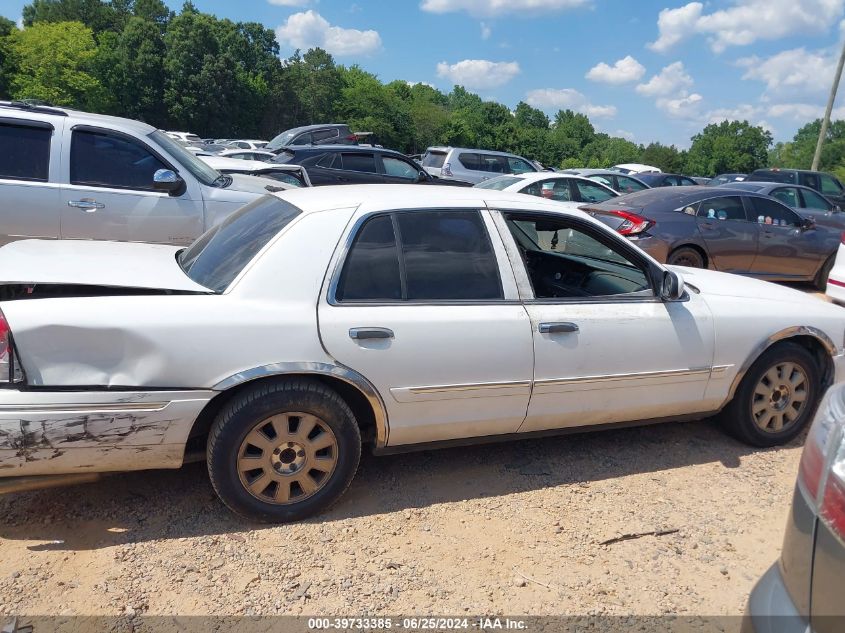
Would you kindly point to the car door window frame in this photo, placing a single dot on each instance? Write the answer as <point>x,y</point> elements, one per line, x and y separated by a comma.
<point>507,280</point>
<point>652,272</point>
<point>126,137</point>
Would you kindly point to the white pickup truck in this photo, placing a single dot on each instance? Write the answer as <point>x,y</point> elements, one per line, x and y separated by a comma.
<point>66,174</point>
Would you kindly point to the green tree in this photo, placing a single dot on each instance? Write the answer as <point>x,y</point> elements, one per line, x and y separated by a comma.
<point>7,27</point>
<point>367,105</point>
<point>667,157</point>
<point>605,151</point>
<point>97,15</point>
<point>729,146</point>
<point>798,153</point>
<point>53,62</point>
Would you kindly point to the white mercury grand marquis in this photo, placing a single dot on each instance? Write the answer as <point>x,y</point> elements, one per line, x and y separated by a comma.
<point>314,321</point>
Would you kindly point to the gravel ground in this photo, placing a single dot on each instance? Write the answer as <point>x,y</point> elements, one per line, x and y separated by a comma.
<point>513,528</point>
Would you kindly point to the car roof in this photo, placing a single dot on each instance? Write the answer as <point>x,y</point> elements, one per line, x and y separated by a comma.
<point>446,149</point>
<point>341,148</point>
<point>315,126</point>
<point>536,176</point>
<point>378,197</point>
<point>51,113</point>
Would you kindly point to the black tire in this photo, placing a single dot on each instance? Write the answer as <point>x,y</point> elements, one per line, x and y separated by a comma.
<point>241,417</point>
<point>824,273</point>
<point>686,256</point>
<point>738,417</point>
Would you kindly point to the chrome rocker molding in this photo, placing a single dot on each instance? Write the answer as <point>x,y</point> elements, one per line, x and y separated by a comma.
<point>790,332</point>
<point>345,374</point>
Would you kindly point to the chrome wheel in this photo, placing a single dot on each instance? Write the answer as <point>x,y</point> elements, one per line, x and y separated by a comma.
<point>779,397</point>
<point>287,458</point>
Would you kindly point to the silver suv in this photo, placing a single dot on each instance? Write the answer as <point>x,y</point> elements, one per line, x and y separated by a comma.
<point>74,175</point>
<point>472,165</point>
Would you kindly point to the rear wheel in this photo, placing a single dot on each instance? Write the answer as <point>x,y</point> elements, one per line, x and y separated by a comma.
<point>686,256</point>
<point>283,451</point>
<point>776,398</point>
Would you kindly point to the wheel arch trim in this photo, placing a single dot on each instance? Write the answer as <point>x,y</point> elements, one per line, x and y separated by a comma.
<point>777,337</point>
<point>347,375</point>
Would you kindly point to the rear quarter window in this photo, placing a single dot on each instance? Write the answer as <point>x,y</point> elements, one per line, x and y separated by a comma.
<point>24,152</point>
<point>220,254</point>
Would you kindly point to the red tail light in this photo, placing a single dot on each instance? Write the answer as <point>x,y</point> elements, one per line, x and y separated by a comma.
<point>822,471</point>
<point>353,138</point>
<point>10,370</point>
<point>633,224</point>
<point>842,237</point>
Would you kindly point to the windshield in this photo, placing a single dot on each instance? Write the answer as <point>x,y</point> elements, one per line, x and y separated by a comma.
<point>499,183</point>
<point>221,253</point>
<point>200,170</point>
<point>281,140</point>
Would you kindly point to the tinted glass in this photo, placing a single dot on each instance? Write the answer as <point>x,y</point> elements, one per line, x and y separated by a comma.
<point>557,189</point>
<point>494,164</point>
<point>829,186</point>
<point>399,168</point>
<point>590,192</point>
<point>24,152</point>
<point>470,161</point>
<point>329,161</point>
<point>604,180</point>
<point>302,139</point>
<point>519,166</point>
<point>448,255</point>
<point>725,208</point>
<point>323,136</point>
<point>628,185</point>
<point>686,182</point>
<point>773,176</point>
<point>499,183</point>
<point>772,212</point>
<point>196,166</point>
<point>217,256</point>
<point>111,161</point>
<point>359,162</point>
<point>371,271</point>
<point>812,200</point>
<point>787,195</point>
<point>434,159</point>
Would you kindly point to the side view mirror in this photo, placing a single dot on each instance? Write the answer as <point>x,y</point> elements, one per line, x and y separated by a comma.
<point>168,181</point>
<point>673,286</point>
<point>808,224</point>
<point>422,176</point>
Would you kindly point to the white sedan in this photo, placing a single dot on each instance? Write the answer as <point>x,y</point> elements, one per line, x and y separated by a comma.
<point>560,187</point>
<point>316,321</point>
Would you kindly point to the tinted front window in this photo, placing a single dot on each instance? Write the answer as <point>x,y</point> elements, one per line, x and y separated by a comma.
<point>590,192</point>
<point>629,185</point>
<point>196,166</point>
<point>772,212</point>
<point>829,186</point>
<point>371,271</point>
<point>519,166</point>
<point>448,255</point>
<point>399,168</point>
<point>557,189</point>
<point>725,208</point>
<point>219,255</point>
<point>359,162</point>
<point>24,152</point>
<point>812,200</point>
<point>104,160</point>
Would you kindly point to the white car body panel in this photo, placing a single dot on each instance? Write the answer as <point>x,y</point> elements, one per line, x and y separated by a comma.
<point>451,371</point>
<point>836,280</point>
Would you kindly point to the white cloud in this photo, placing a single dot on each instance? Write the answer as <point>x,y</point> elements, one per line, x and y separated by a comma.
<point>802,112</point>
<point>290,3</point>
<point>309,29</point>
<point>423,83</point>
<point>681,107</point>
<point>741,112</point>
<point>628,136</point>
<point>479,74</point>
<point>672,79</point>
<point>567,98</point>
<point>796,70</point>
<point>491,8</point>
<point>623,71</point>
<point>486,31</point>
<point>745,22</point>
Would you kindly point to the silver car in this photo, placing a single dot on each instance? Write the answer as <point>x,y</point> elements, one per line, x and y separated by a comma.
<point>472,165</point>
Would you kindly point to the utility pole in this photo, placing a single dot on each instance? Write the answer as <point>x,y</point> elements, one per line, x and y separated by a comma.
<point>826,119</point>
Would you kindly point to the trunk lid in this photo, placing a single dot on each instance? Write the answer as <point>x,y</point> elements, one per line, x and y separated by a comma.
<point>82,263</point>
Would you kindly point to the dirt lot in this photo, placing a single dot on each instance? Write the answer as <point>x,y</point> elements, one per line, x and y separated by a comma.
<point>513,528</point>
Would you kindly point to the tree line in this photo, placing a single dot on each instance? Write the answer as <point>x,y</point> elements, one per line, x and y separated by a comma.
<point>192,71</point>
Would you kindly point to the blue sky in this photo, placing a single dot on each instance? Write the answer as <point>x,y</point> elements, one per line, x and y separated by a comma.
<point>644,69</point>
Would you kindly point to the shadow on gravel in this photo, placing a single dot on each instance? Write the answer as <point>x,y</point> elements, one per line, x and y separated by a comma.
<point>144,506</point>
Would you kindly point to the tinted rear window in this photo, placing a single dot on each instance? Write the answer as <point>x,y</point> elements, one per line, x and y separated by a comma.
<point>773,176</point>
<point>434,159</point>
<point>24,152</point>
<point>219,255</point>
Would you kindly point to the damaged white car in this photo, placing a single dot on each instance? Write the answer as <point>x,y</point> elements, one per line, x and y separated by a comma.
<point>316,321</point>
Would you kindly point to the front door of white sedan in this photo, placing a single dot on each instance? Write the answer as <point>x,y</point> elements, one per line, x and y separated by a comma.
<point>424,305</point>
<point>606,348</point>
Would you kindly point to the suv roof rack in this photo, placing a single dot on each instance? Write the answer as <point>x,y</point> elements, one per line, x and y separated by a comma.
<point>33,106</point>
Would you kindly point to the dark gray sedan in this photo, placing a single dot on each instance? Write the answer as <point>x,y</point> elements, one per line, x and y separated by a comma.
<point>803,592</point>
<point>726,229</point>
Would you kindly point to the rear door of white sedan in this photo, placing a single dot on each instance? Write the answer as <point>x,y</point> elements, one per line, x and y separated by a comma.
<point>424,304</point>
<point>606,348</point>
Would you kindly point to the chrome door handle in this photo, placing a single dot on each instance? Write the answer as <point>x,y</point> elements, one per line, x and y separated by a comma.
<point>86,203</point>
<point>555,328</point>
<point>361,333</point>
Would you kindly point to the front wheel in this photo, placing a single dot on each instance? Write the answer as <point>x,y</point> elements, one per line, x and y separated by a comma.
<point>686,256</point>
<point>777,397</point>
<point>282,451</point>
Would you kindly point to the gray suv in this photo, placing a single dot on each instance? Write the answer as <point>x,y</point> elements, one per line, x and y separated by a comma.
<point>803,592</point>
<point>472,165</point>
<point>74,175</point>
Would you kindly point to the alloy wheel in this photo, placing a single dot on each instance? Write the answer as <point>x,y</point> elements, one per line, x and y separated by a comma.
<point>779,397</point>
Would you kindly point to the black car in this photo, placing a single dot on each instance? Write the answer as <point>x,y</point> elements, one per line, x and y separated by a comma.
<point>345,165</point>
<point>826,184</point>
<point>653,179</point>
<point>726,229</point>
<point>333,133</point>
